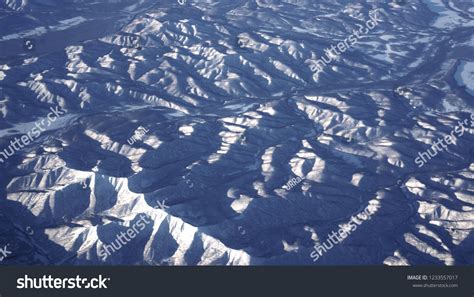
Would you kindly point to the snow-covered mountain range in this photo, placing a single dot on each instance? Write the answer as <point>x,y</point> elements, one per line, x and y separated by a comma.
<point>197,114</point>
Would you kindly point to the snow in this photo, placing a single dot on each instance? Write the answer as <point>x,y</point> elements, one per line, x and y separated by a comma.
<point>465,76</point>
